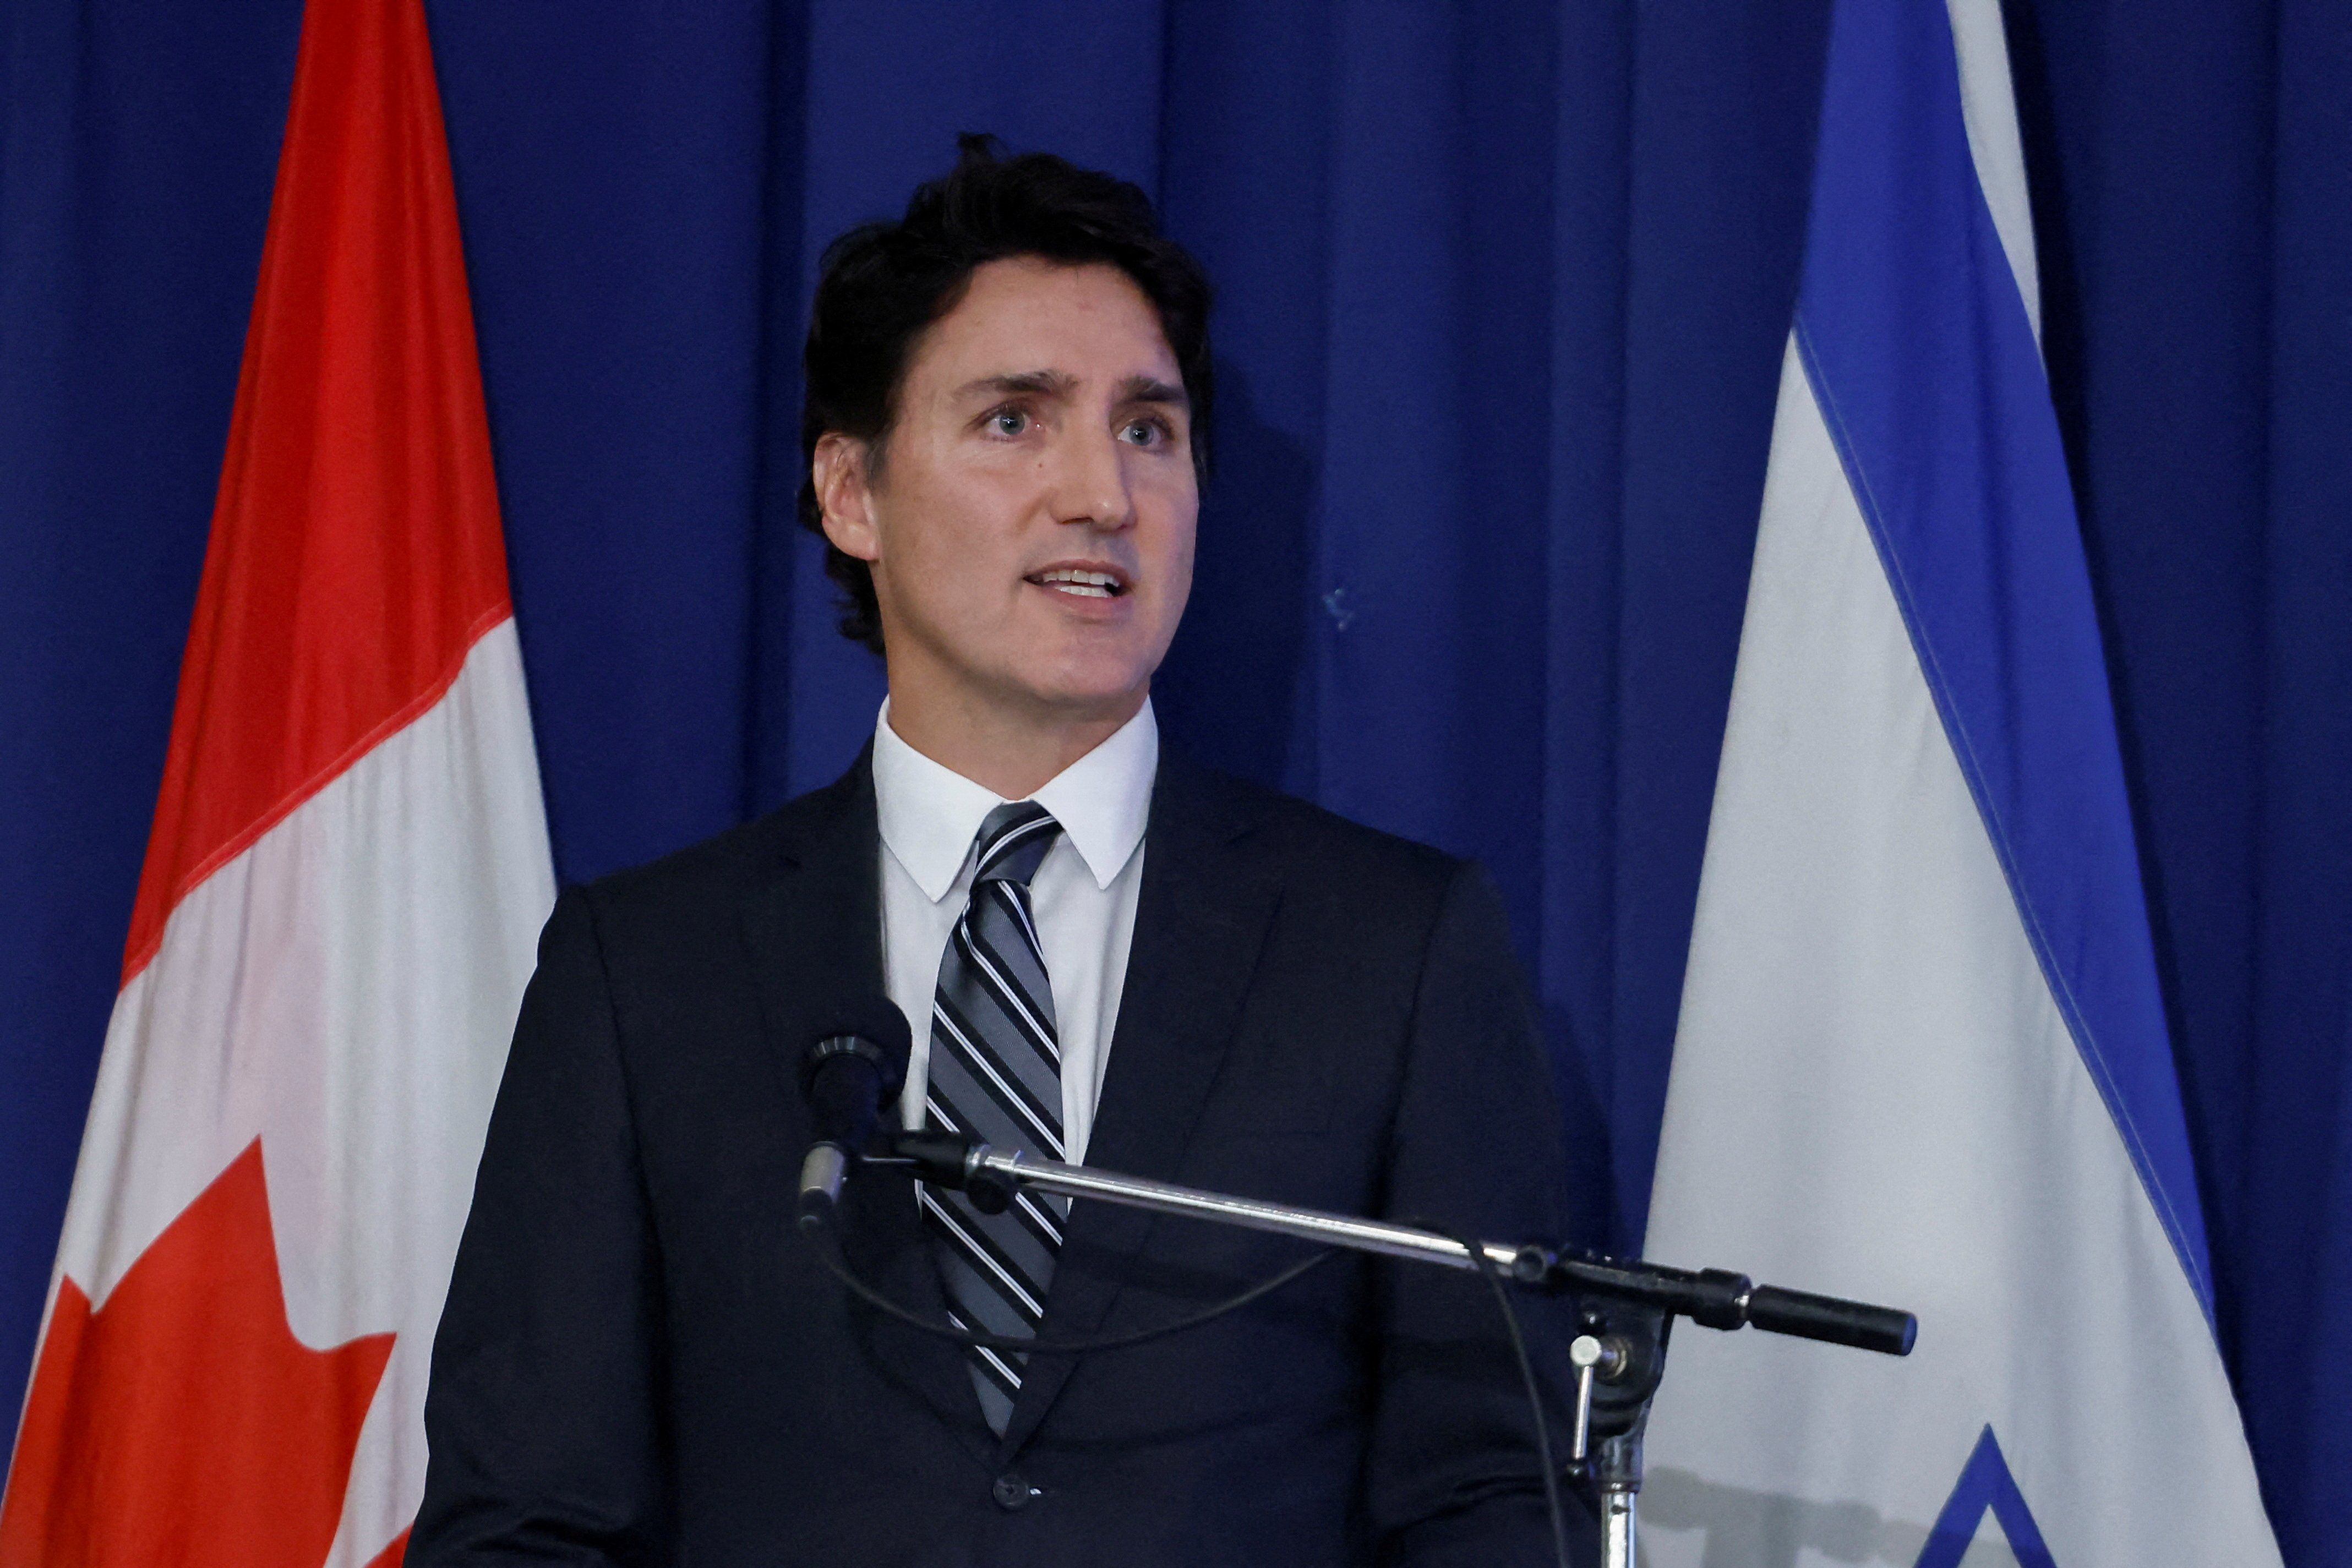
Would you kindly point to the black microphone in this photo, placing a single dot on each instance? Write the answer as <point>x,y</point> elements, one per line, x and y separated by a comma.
<point>857,1063</point>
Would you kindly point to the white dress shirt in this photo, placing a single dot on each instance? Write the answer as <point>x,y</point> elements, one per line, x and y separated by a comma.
<point>1083,895</point>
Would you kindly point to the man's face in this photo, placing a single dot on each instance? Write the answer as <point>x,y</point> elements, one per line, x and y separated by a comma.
<point>1030,527</point>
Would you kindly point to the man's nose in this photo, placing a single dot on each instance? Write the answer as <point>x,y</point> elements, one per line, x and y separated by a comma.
<point>1090,481</point>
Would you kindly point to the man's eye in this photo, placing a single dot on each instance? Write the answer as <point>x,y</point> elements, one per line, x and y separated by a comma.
<point>1008,421</point>
<point>1145,432</point>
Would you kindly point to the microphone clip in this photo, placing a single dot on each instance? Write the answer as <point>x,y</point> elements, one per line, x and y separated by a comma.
<point>949,1160</point>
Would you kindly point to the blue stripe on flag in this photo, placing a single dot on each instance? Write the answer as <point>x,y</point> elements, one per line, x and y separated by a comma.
<point>1915,338</point>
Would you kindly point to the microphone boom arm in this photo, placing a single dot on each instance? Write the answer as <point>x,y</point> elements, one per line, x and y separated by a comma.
<point>1714,1298</point>
<point>1628,1306</point>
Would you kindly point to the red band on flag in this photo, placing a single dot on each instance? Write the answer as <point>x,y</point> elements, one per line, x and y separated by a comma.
<point>355,554</point>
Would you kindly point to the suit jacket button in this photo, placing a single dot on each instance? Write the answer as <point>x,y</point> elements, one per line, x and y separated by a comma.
<point>1012,1493</point>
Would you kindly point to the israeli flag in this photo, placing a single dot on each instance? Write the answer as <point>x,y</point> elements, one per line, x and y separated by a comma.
<point>1921,1058</point>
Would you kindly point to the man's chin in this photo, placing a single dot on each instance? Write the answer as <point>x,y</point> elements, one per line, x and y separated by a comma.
<point>1086,695</point>
<point>1091,705</point>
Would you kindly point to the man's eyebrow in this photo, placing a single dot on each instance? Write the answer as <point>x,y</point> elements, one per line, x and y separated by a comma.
<point>1033,384</point>
<point>1151,388</point>
<point>1058,383</point>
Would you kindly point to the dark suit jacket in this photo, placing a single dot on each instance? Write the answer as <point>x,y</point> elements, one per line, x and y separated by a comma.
<point>642,1362</point>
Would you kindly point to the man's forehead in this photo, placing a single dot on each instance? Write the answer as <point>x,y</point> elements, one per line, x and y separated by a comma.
<point>1058,327</point>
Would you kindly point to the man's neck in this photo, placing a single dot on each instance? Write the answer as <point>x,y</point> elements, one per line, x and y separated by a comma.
<point>1014,754</point>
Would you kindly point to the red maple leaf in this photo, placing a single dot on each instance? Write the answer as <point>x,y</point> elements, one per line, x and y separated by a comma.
<point>183,1423</point>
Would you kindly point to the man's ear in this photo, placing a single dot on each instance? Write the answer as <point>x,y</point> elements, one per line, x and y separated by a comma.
<point>846,494</point>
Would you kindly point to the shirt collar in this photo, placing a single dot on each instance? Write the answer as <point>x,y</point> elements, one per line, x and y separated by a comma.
<point>930,813</point>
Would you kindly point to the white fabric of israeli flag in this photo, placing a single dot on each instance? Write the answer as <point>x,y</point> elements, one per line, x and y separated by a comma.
<point>1922,1059</point>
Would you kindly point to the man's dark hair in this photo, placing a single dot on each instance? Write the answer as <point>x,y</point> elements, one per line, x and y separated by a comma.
<point>881,284</point>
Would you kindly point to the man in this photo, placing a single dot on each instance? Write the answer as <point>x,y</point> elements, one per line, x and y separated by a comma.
<point>1110,956</point>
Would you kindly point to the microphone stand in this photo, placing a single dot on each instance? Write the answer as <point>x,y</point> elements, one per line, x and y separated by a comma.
<point>1626,1307</point>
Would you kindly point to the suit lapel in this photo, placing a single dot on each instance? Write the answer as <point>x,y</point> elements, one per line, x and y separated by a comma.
<point>815,935</point>
<point>1201,918</point>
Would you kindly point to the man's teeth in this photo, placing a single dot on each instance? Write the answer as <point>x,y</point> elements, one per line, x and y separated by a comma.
<point>1085,584</point>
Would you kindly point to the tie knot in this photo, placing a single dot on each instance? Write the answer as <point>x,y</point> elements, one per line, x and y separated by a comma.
<point>1013,839</point>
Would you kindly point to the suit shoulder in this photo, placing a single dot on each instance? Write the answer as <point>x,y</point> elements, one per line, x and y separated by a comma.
<point>714,873</point>
<point>726,860</point>
<point>1319,844</point>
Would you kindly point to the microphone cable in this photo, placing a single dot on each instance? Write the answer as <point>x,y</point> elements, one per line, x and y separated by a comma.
<point>1510,1311</point>
<point>829,1253</point>
<point>827,1241</point>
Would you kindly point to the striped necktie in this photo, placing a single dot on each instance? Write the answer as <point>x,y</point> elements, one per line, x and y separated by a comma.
<point>997,1077</point>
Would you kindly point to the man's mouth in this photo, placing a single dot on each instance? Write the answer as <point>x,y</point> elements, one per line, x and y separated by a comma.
<point>1081,582</point>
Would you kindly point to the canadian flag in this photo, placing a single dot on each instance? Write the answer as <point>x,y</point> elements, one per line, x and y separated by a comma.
<point>335,921</point>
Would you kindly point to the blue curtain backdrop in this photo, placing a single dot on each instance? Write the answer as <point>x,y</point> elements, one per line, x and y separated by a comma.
<point>1502,297</point>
